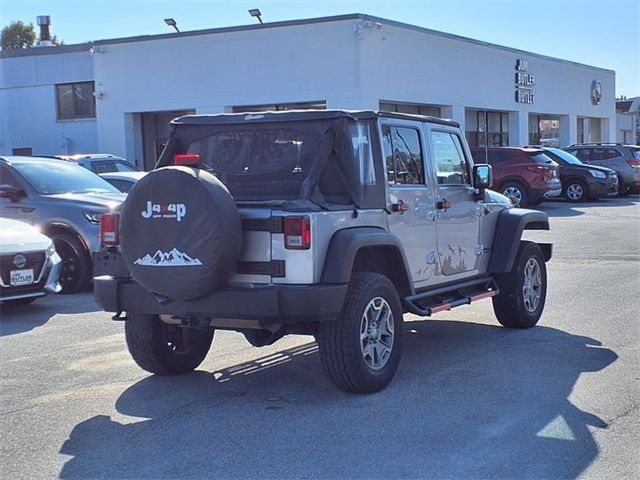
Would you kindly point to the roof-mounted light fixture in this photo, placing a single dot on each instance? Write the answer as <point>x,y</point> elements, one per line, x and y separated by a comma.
<point>172,23</point>
<point>255,12</point>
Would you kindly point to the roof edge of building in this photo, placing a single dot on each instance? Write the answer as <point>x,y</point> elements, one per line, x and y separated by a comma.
<point>286,23</point>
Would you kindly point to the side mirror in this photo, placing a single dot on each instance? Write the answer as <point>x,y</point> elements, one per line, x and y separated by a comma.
<point>11,192</point>
<point>482,176</point>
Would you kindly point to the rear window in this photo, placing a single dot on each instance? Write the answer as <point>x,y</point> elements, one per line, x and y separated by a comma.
<point>540,158</point>
<point>636,153</point>
<point>250,162</point>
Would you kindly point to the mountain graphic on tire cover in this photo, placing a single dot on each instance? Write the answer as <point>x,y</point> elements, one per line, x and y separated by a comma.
<point>206,242</point>
<point>175,258</point>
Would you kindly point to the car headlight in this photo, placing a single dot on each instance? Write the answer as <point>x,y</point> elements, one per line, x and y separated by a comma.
<point>597,174</point>
<point>93,217</point>
<point>51,249</point>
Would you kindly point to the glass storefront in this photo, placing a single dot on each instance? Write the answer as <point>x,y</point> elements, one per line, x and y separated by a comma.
<point>544,130</point>
<point>485,128</point>
<point>414,108</point>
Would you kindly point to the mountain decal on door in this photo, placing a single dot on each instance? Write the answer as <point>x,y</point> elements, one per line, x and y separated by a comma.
<point>175,258</point>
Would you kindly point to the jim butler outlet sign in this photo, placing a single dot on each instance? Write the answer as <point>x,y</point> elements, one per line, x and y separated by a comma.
<point>524,82</point>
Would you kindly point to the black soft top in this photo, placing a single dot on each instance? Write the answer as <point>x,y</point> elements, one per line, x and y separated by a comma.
<point>300,115</point>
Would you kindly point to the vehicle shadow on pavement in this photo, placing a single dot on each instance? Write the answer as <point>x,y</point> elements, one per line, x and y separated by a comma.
<point>469,401</point>
<point>563,208</point>
<point>19,319</point>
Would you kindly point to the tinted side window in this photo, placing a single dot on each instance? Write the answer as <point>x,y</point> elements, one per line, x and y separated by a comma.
<point>583,154</point>
<point>604,153</point>
<point>121,185</point>
<point>451,166</point>
<point>123,167</point>
<point>102,167</point>
<point>403,155</point>
<point>8,178</point>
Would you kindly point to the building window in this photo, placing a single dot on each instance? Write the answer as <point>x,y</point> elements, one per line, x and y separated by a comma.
<point>75,100</point>
<point>413,108</point>
<point>276,107</point>
<point>22,151</point>
<point>487,128</point>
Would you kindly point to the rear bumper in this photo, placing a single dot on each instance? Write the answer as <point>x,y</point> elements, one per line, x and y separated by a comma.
<point>555,189</point>
<point>268,304</point>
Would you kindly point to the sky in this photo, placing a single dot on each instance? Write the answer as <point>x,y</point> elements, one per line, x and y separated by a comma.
<point>604,33</point>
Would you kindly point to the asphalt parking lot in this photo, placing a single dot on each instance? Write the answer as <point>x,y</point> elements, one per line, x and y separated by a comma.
<point>470,400</point>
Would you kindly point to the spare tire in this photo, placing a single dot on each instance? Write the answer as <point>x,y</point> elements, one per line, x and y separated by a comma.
<point>180,233</point>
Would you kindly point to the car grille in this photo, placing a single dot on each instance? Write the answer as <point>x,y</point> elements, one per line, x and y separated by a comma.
<point>613,176</point>
<point>35,260</point>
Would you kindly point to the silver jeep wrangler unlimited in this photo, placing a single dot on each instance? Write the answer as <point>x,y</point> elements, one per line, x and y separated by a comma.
<point>327,223</point>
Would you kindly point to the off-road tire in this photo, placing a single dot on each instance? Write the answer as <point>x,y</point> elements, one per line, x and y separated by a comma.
<point>509,305</point>
<point>75,269</point>
<point>148,344</point>
<point>573,188</point>
<point>524,194</point>
<point>340,341</point>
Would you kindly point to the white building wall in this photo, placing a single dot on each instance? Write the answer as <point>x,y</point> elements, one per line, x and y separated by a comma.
<point>351,63</point>
<point>28,104</point>
<point>417,66</point>
<point>210,73</point>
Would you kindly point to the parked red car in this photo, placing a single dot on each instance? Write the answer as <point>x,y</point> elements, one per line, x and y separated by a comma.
<point>524,174</point>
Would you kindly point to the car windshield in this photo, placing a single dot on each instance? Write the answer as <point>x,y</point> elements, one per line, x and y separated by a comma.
<point>566,156</point>
<point>55,177</point>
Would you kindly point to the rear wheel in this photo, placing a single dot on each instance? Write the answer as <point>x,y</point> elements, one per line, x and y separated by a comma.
<point>576,191</point>
<point>523,290</point>
<point>360,351</point>
<point>75,268</point>
<point>516,192</point>
<point>163,348</point>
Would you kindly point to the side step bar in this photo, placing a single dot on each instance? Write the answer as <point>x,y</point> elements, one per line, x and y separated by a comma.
<point>441,299</point>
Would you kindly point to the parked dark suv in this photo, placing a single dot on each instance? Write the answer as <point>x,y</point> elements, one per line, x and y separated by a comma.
<point>582,182</point>
<point>524,174</point>
<point>624,159</point>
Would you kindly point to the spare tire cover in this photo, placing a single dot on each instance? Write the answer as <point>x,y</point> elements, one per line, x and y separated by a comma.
<point>180,233</point>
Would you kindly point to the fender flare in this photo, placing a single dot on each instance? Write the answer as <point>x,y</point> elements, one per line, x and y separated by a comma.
<point>344,247</point>
<point>506,241</point>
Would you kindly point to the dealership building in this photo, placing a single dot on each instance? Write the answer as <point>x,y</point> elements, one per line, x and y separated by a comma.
<point>117,96</point>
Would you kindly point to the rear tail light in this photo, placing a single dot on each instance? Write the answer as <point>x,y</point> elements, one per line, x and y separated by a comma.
<point>297,233</point>
<point>634,163</point>
<point>110,229</point>
<point>186,159</point>
<point>537,168</point>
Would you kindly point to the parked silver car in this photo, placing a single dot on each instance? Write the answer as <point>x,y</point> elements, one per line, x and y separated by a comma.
<point>65,201</point>
<point>624,159</point>
<point>101,162</point>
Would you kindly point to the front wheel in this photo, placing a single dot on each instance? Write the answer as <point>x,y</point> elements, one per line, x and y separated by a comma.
<point>163,348</point>
<point>523,290</point>
<point>360,351</point>
<point>75,268</point>
<point>576,191</point>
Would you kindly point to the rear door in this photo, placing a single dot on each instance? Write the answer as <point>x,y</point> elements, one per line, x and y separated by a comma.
<point>457,214</point>
<point>410,197</point>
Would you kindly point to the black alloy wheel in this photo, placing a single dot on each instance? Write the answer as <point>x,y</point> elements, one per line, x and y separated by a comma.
<point>75,268</point>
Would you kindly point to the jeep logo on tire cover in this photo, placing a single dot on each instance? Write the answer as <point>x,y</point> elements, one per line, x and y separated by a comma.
<point>170,210</point>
